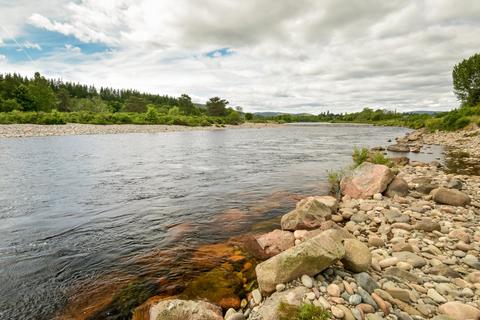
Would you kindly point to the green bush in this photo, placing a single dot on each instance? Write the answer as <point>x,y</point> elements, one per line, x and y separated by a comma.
<point>461,123</point>
<point>379,158</point>
<point>359,156</point>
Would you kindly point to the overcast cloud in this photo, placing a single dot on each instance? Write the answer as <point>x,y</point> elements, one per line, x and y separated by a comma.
<point>264,55</point>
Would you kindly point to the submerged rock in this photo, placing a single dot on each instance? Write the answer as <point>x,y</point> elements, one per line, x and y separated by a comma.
<point>221,286</point>
<point>309,257</point>
<point>398,148</point>
<point>366,180</point>
<point>310,213</point>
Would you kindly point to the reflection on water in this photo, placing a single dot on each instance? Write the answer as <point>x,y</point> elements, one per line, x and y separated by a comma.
<point>86,220</point>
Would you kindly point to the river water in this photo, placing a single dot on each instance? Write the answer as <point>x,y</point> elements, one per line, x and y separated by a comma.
<point>84,213</point>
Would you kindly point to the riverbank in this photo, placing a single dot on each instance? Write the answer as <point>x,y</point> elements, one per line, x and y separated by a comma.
<point>34,130</point>
<point>400,244</point>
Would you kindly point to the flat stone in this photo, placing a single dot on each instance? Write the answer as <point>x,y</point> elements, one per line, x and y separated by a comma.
<point>366,297</point>
<point>399,293</point>
<point>347,314</point>
<point>257,296</point>
<point>411,258</point>
<point>333,290</point>
<point>400,274</point>
<point>307,281</point>
<point>435,296</point>
<point>337,312</point>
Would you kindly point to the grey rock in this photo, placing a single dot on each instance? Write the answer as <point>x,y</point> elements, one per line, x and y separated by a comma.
<point>310,257</point>
<point>366,297</point>
<point>355,299</point>
<point>365,281</point>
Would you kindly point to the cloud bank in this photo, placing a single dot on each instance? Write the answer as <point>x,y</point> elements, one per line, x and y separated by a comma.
<point>290,56</point>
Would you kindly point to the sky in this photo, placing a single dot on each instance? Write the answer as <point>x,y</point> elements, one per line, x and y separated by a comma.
<point>264,55</point>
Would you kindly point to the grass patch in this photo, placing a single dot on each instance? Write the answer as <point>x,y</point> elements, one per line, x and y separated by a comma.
<point>361,155</point>
<point>303,312</point>
<point>334,177</point>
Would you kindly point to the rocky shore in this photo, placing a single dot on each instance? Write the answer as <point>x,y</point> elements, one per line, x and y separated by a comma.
<point>400,243</point>
<point>34,130</point>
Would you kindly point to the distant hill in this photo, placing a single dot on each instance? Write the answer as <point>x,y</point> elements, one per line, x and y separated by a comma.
<point>268,114</point>
<point>422,112</point>
<point>273,114</point>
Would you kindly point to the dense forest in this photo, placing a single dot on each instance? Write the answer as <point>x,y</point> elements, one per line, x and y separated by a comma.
<point>49,101</point>
<point>46,101</point>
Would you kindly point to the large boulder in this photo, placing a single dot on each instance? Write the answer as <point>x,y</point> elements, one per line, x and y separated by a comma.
<point>309,257</point>
<point>310,213</point>
<point>451,197</point>
<point>459,311</point>
<point>398,187</point>
<point>366,180</point>
<point>185,309</point>
<point>357,256</point>
<point>276,241</point>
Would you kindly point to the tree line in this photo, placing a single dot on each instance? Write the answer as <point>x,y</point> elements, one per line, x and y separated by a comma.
<point>41,95</point>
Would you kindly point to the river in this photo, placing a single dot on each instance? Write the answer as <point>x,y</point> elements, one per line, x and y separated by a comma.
<point>81,213</point>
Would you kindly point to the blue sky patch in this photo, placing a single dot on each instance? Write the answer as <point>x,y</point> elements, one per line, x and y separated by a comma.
<point>218,53</point>
<point>49,42</point>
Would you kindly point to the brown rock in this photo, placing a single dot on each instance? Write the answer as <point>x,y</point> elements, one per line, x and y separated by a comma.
<point>459,311</point>
<point>400,161</point>
<point>276,241</point>
<point>451,197</point>
<point>428,225</point>
<point>357,256</point>
<point>381,304</point>
<point>366,180</point>
<point>398,187</point>
<point>310,213</point>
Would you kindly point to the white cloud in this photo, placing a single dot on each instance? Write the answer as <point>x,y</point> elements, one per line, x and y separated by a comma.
<point>31,45</point>
<point>297,56</point>
<point>71,48</point>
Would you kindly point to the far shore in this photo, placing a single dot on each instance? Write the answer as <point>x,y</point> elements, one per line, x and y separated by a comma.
<point>35,130</point>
